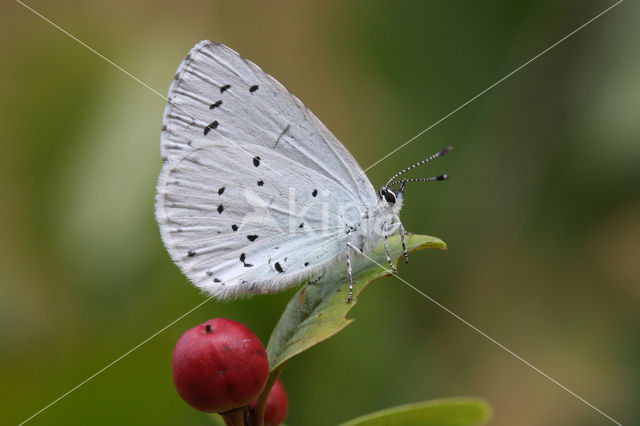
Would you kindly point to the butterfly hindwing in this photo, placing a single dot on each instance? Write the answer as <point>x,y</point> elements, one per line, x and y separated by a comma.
<point>235,224</point>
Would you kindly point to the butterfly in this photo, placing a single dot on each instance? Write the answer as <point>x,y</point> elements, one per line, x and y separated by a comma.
<point>256,195</point>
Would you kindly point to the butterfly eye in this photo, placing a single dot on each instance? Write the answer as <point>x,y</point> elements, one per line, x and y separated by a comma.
<point>388,195</point>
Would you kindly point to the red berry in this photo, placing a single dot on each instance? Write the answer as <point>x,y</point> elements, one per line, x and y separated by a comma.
<point>219,365</point>
<point>275,411</point>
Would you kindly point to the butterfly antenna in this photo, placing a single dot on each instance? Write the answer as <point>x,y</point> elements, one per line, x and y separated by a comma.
<point>429,179</point>
<point>426,160</point>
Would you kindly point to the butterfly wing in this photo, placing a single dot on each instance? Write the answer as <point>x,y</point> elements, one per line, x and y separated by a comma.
<point>255,193</point>
<point>219,95</point>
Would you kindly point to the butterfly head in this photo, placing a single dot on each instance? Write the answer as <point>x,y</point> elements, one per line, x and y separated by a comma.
<point>394,198</point>
<point>389,200</point>
<point>388,195</point>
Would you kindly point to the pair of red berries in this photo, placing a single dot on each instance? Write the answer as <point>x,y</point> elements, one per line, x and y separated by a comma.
<point>221,365</point>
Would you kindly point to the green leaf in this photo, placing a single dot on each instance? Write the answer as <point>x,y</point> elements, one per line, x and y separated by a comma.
<point>318,311</point>
<point>438,412</point>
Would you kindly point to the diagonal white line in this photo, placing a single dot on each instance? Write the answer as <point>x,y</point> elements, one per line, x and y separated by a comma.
<point>500,345</point>
<point>493,85</point>
<point>116,360</point>
<point>94,51</point>
<point>127,73</point>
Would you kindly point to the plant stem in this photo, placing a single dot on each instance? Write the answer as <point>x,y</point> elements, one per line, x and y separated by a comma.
<point>234,417</point>
<point>258,411</point>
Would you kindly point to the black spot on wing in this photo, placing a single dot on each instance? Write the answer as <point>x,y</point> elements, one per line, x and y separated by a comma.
<point>252,237</point>
<point>306,263</point>
<point>191,253</point>
<point>242,258</point>
<point>224,88</point>
<point>278,267</point>
<point>301,225</point>
<point>220,191</point>
<point>234,227</point>
<point>260,182</point>
<point>253,88</point>
<point>256,161</point>
<point>210,127</point>
<point>220,208</point>
<point>216,280</point>
<point>215,104</point>
<point>315,192</point>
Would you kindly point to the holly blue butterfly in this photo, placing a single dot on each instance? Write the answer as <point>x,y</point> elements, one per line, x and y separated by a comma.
<point>255,193</point>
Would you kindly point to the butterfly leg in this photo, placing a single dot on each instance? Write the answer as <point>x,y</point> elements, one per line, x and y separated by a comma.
<point>315,280</point>
<point>350,273</point>
<point>386,248</point>
<point>403,232</point>
<point>349,270</point>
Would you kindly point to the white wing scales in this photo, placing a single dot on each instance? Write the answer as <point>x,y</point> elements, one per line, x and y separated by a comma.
<point>248,198</point>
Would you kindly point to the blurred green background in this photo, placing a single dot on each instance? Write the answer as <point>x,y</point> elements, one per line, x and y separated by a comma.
<point>542,214</point>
